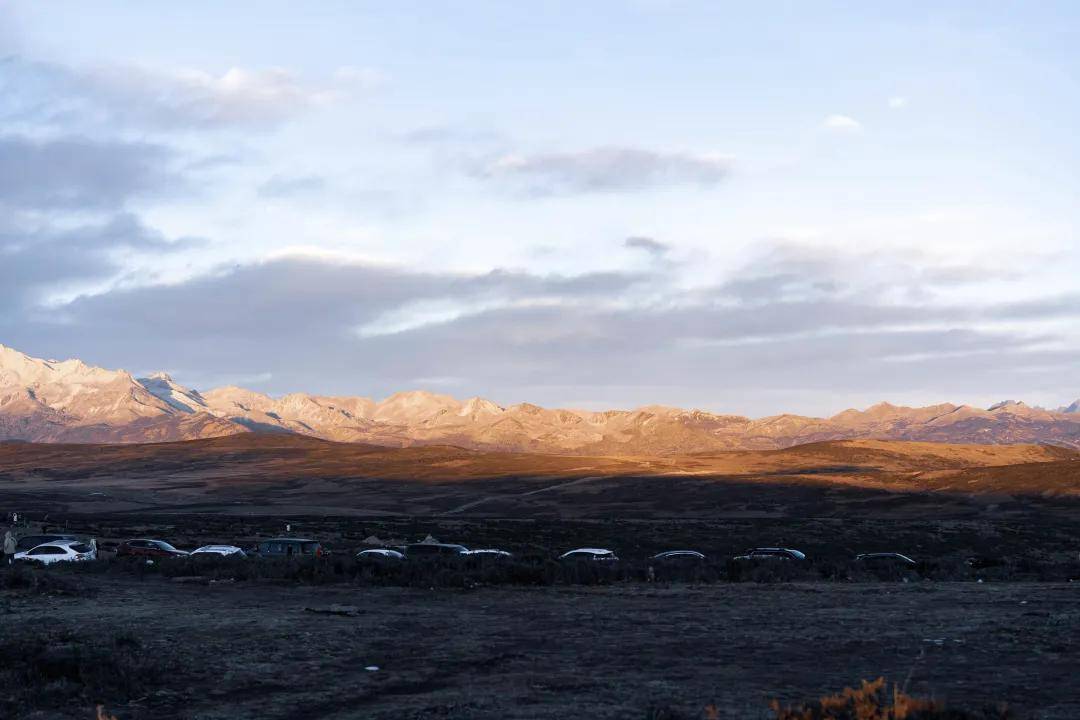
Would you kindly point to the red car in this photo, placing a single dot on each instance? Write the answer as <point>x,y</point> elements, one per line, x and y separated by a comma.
<point>148,548</point>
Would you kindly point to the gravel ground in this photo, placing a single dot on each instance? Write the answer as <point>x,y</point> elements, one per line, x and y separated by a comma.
<point>266,651</point>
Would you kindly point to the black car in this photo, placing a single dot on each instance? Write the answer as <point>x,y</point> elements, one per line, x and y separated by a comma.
<point>29,542</point>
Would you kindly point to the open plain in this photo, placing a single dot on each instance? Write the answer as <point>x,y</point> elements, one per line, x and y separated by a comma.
<point>259,639</point>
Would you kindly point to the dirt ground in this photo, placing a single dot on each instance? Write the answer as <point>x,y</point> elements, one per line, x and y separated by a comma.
<point>267,647</point>
<point>249,650</point>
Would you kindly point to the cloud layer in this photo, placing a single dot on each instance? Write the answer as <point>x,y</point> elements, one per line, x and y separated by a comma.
<point>788,322</point>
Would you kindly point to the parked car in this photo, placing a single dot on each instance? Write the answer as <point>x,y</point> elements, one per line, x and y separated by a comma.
<point>149,549</point>
<point>29,542</point>
<point>685,556</point>
<point>382,555</point>
<point>885,559</point>
<point>771,553</point>
<point>58,551</point>
<point>489,553</point>
<point>289,547</point>
<point>423,549</point>
<point>219,551</point>
<point>591,554</point>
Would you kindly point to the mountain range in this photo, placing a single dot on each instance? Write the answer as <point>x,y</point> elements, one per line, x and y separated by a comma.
<point>70,401</point>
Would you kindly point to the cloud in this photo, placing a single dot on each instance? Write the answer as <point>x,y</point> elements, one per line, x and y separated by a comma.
<point>39,259</point>
<point>238,96</point>
<point>49,94</point>
<point>842,123</point>
<point>80,173</point>
<point>604,170</point>
<point>648,244</point>
<point>897,102</point>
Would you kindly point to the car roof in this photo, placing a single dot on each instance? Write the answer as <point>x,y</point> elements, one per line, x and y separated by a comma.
<point>57,543</point>
<point>883,554</point>
<point>779,549</point>
<point>679,552</point>
<point>219,547</point>
<point>591,551</point>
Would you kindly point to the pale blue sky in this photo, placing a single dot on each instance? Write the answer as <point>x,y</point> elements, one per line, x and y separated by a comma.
<point>846,202</point>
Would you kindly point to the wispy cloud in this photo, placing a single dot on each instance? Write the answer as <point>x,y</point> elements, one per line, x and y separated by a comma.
<point>605,170</point>
<point>137,95</point>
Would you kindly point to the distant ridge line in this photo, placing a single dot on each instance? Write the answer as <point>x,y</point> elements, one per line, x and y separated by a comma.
<point>70,401</point>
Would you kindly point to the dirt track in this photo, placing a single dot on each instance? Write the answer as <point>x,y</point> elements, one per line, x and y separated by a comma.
<point>257,651</point>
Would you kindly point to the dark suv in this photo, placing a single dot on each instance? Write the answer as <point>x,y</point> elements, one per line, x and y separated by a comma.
<point>290,547</point>
<point>148,548</point>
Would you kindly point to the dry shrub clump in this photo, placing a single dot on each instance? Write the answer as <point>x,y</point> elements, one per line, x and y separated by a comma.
<point>873,701</point>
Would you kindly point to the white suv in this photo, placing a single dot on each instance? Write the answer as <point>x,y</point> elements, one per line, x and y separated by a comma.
<point>59,551</point>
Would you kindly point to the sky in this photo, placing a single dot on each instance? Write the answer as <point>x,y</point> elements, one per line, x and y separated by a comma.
<point>747,208</point>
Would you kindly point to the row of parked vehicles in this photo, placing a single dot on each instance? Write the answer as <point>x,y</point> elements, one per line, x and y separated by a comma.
<point>47,549</point>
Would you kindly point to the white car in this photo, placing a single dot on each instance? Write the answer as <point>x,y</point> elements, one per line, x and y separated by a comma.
<point>59,551</point>
<point>597,554</point>
<point>220,550</point>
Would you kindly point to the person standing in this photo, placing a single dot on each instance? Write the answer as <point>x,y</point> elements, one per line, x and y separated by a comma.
<point>9,546</point>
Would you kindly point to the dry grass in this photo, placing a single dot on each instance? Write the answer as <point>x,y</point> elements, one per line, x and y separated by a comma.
<point>873,701</point>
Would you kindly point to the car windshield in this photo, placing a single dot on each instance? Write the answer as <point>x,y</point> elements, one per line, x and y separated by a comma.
<point>80,547</point>
<point>162,545</point>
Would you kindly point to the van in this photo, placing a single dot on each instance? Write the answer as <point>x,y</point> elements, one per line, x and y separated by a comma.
<point>290,547</point>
